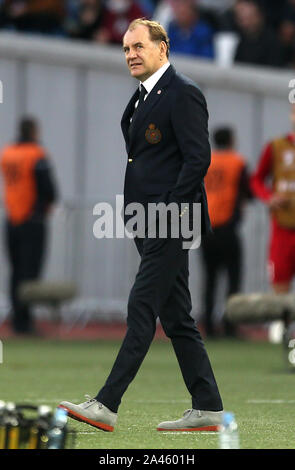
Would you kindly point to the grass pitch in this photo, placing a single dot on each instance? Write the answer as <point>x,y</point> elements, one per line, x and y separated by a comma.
<point>253,379</point>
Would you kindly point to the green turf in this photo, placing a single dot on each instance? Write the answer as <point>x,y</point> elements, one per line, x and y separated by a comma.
<point>253,379</point>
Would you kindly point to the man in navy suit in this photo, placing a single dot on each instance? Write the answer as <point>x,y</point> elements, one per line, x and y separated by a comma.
<point>165,126</point>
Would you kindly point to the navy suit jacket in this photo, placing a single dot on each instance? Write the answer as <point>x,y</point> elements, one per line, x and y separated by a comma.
<point>168,148</point>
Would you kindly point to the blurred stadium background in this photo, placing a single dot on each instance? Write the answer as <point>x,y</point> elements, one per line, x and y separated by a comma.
<point>78,93</point>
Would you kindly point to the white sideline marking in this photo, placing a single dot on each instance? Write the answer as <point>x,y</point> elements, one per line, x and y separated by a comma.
<point>85,432</point>
<point>78,400</point>
<point>274,402</point>
<point>161,401</point>
<point>49,400</point>
<point>189,432</point>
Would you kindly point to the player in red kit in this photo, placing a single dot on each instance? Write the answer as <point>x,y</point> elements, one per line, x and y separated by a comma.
<point>277,164</point>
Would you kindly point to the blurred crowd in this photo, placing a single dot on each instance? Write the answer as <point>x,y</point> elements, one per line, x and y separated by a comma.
<point>258,32</point>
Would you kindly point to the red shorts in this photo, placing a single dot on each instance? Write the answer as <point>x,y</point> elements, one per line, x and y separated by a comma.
<point>281,254</point>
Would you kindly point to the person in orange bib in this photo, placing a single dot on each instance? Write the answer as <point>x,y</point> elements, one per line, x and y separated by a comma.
<point>227,187</point>
<point>274,183</point>
<point>29,192</point>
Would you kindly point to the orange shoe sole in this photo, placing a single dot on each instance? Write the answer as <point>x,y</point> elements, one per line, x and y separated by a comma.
<point>96,424</point>
<point>203,428</point>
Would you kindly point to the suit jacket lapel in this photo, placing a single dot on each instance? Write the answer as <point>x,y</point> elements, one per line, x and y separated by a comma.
<point>125,122</point>
<point>153,98</point>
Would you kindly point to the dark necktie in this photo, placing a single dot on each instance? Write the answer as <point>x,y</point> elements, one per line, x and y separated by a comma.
<point>142,94</point>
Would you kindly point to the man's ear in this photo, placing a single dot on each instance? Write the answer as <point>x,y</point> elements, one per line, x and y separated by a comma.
<point>163,48</point>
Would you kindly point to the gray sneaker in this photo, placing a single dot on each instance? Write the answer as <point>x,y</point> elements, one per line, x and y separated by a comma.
<point>194,420</point>
<point>91,412</point>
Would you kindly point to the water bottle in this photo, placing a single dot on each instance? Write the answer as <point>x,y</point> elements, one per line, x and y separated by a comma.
<point>12,427</point>
<point>38,438</point>
<point>228,432</point>
<point>58,429</point>
<point>43,425</point>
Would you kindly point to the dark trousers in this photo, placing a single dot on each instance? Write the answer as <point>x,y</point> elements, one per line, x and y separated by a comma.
<point>221,252</point>
<point>161,290</point>
<point>25,247</point>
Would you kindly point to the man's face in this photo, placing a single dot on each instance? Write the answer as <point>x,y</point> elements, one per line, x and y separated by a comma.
<point>185,12</point>
<point>143,56</point>
<point>248,17</point>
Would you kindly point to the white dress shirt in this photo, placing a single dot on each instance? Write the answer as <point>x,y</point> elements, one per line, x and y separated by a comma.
<point>150,82</point>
